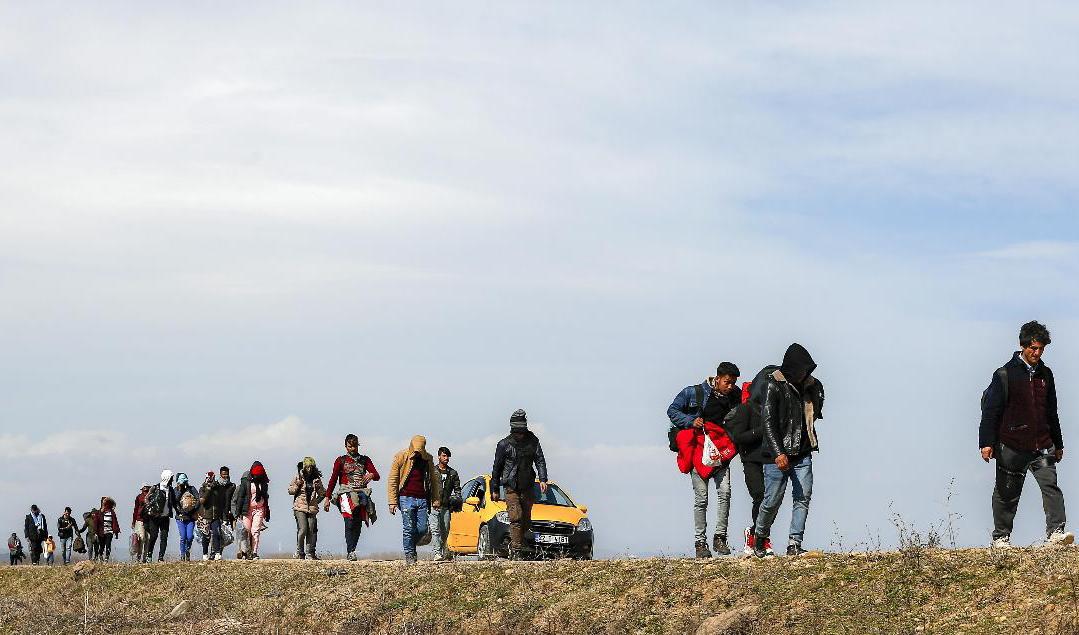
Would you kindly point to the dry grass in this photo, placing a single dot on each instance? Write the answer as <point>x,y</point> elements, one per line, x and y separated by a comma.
<point>920,590</point>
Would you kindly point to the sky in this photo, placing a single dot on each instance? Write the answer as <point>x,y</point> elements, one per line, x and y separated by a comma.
<point>240,232</point>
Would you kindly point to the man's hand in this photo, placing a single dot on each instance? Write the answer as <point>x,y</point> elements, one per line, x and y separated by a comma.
<point>987,453</point>
<point>393,509</point>
<point>326,507</point>
<point>543,487</point>
<point>1059,455</point>
<point>783,462</point>
<point>494,495</point>
<point>698,423</point>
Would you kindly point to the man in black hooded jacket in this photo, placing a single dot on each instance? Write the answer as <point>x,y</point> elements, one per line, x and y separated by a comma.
<point>789,400</point>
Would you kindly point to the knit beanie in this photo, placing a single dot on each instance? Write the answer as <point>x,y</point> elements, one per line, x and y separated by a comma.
<point>519,420</point>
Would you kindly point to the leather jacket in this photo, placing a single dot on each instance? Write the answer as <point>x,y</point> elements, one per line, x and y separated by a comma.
<point>788,413</point>
<point>513,462</point>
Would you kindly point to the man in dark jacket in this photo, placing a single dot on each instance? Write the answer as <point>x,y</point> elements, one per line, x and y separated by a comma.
<point>157,512</point>
<point>514,457</point>
<point>743,424</point>
<point>790,401</point>
<point>66,528</point>
<point>1020,428</point>
<point>451,499</point>
<point>36,530</point>
<point>691,408</point>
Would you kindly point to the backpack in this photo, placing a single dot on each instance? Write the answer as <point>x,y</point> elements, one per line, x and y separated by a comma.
<point>155,502</point>
<point>1002,374</point>
<point>672,431</point>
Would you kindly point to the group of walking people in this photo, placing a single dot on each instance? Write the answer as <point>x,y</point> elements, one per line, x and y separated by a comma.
<point>219,512</point>
<point>770,424</point>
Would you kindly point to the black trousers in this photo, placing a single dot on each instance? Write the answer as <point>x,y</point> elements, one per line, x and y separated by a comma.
<point>755,484</point>
<point>353,527</point>
<point>156,527</point>
<point>35,551</point>
<point>1012,468</point>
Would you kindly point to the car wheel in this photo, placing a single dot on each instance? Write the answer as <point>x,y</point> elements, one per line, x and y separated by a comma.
<point>484,551</point>
<point>584,556</point>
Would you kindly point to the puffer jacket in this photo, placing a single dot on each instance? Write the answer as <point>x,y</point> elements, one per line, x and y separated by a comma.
<point>691,448</point>
<point>298,490</point>
<point>788,412</point>
<point>514,460</point>
<point>402,467</point>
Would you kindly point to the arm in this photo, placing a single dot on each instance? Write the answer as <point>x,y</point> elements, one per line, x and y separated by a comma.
<point>392,485</point>
<point>992,412</point>
<point>499,465</point>
<point>1053,415</point>
<point>319,488</point>
<point>295,485</point>
<point>371,471</point>
<point>435,484</point>
<point>335,475</point>
<point>770,419</point>
<point>676,412</point>
<point>541,464</point>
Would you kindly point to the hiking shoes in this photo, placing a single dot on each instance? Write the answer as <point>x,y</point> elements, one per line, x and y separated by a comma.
<point>719,545</point>
<point>1004,542</point>
<point>794,550</point>
<point>1060,538</point>
<point>352,556</point>
<point>702,550</point>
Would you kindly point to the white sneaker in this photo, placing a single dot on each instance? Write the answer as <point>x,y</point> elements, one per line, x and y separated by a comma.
<point>217,556</point>
<point>205,557</point>
<point>1060,538</point>
<point>1004,542</point>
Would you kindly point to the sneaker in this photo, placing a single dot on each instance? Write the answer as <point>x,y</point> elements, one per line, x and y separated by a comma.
<point>794,550</point>
<point>352,556</point>
<point>750,540</point>
<point>1004,542</point>
<point>702,550</point>
<point>1060,538</point>
<point>761,553</point>
<point>298,556</point>
<point>205,557</point>
<point>768,547</point>
<point>719,545</point>
<point>312,556</point>
<point>254,556</point>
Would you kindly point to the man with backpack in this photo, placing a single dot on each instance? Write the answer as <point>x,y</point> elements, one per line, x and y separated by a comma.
<point>790,401</point>
<point>694,407</point>
<point>1020,428</point>
<point>743,424</point>
<point>157,513</point>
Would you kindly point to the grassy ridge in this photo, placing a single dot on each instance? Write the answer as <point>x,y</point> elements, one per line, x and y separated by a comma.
<point>920,590</point>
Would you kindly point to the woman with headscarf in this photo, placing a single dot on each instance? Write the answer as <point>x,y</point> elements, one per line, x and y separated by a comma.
<point>185,500</point>
<point>307,492</point>
<point>252,505</point>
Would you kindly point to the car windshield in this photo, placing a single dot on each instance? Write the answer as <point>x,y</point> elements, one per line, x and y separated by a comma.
<point>554,496</point>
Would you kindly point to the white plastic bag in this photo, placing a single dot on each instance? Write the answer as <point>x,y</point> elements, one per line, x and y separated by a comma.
<point>710,456</point>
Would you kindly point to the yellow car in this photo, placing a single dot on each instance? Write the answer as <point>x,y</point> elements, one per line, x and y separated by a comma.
<point>482,527</point>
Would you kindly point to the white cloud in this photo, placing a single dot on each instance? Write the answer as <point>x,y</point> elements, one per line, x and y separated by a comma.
<point>1036,251</point>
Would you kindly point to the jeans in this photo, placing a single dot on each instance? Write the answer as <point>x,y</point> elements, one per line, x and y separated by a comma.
<point>1012,466</point>
<point>187,536</point>
<point>157,526</point>
<point>754,473</point>
<point>65,549</point>
<point>50,557</point>
<point>212,543</point>
<point>722,477</point>
<point>306,531</point>
<point>353,527</point>
<point>519,509</point>
<point>413,524</point>
<point>800,475</point>
<point>440,531</point>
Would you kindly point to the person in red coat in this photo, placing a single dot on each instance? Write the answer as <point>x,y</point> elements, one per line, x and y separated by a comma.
<point>107,526</point>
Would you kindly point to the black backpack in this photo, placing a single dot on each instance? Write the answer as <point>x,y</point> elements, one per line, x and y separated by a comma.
<point>1001,373</point>
<point>156,502</point>
<point>673,431</point>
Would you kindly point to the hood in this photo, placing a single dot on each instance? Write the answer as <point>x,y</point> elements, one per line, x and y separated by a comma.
<point>181,478</point>
<point>419,444</point>
<point>797,362</point>
<point>166,476</point>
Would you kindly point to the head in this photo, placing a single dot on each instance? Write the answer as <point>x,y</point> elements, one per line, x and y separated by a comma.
<point>50,537</point>
<point>418,445</point>
<point>107,503</point>
<point>308,466</point>
<point>223,473</point>
<point>67,512</point>
<point>726,378</point>
<point>444,456</point>
<point>1033,339</point>
<point>352,444</point>
<point>181,479</point>
<point>258,472</point>
<point>34,509</point>
<point>798,364</point>
<point>145,488</point>
<point>519,423</point>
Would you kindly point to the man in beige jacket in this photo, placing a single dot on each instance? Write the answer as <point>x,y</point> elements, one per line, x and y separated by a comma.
<point>414,487</point>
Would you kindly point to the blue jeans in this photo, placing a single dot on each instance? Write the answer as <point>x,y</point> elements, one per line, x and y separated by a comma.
<point>800,475</point>
<point>413,523</point>
<point>187,535</point>
<point>65,549</point>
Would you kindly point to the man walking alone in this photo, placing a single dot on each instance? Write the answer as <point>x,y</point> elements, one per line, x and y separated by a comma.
<point>515,456</point>
<point>1020,428</point>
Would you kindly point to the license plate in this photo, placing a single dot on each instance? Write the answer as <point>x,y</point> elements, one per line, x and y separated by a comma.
<point>552,540</point>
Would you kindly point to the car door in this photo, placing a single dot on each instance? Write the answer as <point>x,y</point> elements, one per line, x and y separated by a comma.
<point>465,524</point>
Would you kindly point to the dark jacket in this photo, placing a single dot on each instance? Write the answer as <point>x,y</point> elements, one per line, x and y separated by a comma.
<point>684,408</point>
<point>241,497</point>
<point>214,503</point>
<point>788,412</point>
<point>743,424</point>
<point>514,460</point>
<point>66,527</point>
<point>451,486</point>
<point>1028,418</point>
<point>30,530</point>
<point>228,494</point>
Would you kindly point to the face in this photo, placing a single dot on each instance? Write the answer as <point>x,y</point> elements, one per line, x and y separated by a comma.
<point>352,446</point>
<point>1033,354</point>
<point>443,459</point>
<point>725,384</point>
<point>224,475</point>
